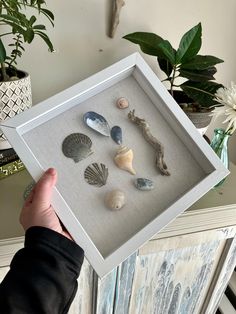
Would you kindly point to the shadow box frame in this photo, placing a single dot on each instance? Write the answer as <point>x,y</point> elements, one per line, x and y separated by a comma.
<point>132,66</point>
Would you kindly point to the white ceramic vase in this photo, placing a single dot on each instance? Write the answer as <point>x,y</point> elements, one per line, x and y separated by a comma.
<point>15,97</point>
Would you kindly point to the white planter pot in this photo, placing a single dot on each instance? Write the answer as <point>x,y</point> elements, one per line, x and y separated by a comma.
<point>15,97</point>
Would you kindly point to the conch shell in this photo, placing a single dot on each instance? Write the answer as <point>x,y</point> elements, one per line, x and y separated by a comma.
<point>124,159</point>
<point>115,199</point>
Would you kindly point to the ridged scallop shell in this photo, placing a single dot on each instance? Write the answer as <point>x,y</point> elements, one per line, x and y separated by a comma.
<point>97,122</point>
<point>124,159</point>
<point>77,146</point>
<point>116,134</point>
<point>115,199</point>
<point>122,103</point>
<point>96,174</point>
<point>143,184</point>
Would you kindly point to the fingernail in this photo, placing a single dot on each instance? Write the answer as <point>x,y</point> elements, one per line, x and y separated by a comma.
<point>51,172</point>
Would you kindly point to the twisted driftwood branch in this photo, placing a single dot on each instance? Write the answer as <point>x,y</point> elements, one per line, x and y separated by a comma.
<point>117,5</point>
<point>159,148</point>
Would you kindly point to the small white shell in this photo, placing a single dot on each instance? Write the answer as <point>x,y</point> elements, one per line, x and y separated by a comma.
<point>122,103</point>
<point>115,200</point>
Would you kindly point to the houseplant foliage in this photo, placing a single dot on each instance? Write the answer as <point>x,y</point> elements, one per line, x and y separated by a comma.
<point>196,70</point>
<point>19,29</point>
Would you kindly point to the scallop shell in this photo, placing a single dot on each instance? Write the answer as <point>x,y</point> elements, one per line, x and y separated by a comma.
<point>97,122</point>
<point>115,199</point>
<point>116,134</point>
<point>122,103</point>
<point>96,174</point>
<point>124,159</point>
<point>77,146</point>
<point>143,184</point>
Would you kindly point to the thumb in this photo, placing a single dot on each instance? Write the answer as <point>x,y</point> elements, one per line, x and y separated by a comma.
<point>43,189</point>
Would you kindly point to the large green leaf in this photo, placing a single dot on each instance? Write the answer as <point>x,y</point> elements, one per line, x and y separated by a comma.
<point>165,66</point>
<point>190,44</point>
<point>168,51</point>
<point>201,63</point>
<point>29,35</point>
<point>199,75</point>
<point>46,39</point>
<point>148,42</point>
<point>201,92</point>
<point>3,53</point>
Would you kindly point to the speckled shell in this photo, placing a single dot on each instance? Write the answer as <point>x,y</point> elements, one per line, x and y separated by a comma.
<point>97,122</point>
<point>122,103</point>
<point>124,159</point>
<point>77,146</point>
<point>143,184</point>
<point>96,174</point>
<point>116,134</point>
<point>115,200</point>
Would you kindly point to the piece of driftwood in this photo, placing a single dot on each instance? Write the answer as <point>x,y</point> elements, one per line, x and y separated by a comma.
<point>117,5</point>
<point>159,148</point>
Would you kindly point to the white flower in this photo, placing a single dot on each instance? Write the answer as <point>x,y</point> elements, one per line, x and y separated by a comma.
<point>226,97</point>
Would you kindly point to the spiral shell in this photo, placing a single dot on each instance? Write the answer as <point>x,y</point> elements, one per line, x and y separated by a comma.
<point>115,200</point>
<point>77,146</point>
<point>124,159</point>
<point>96,174</point>
<point>122,103</point>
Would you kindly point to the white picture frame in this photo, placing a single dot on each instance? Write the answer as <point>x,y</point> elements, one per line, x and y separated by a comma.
<point>197,167</point>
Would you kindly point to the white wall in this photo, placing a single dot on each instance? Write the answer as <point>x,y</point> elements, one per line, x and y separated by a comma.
<point>83,48</point>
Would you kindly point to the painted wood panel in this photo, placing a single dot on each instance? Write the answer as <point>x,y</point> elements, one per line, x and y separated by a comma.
<point>222,276</point>
<point>173,281</point>
<point>125,275</point>
<point>82,303</point>
<point>106,288</point>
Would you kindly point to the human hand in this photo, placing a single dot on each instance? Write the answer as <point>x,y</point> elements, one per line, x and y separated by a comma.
<point>37,209</point>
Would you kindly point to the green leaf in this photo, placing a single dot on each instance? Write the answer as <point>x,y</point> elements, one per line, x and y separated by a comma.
<point>46,39</point>
<point>32,20</point>
<point>190,44</point>
<point>165,66</point>
<point>7,17</point>
<point>201,62</point>
<point>48,14</point>
<point>199,75</point>
<point>3,53</point>
<point>40,26</point>
<point>168,51</point>
<point>201,92</point>
<point>148,42</point>
<point>29,35</point>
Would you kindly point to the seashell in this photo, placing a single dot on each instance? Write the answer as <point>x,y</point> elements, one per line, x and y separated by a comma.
<point>115,199</point>
<point>116,134</point>
<point>124,159</point>
<point>143,184</point>
<point>77,146</point>
<point>97,122</point>
<point>96,174</point>
<point>122,103</point>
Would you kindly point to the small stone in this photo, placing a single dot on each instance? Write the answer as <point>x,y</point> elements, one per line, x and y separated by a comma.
<point>144,184</point>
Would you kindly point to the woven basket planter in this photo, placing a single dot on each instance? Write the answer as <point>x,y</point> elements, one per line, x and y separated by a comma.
<point>15,97</point>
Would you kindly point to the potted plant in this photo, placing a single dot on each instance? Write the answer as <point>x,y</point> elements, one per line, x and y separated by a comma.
<point>196,93</point>
<point>18,29</point>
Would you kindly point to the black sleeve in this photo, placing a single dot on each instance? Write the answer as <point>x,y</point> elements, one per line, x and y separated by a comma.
<point>42,275</point>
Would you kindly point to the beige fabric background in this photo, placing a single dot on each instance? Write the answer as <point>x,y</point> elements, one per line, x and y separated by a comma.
<point>108,230</point>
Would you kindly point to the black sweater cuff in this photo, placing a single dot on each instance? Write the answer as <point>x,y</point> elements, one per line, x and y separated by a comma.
<point>41,236</point>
